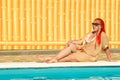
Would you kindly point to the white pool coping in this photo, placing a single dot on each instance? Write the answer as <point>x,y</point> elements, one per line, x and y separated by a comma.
<point>60,64</point>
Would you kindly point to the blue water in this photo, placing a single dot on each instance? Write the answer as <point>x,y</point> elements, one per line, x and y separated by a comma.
<point>62,73</point>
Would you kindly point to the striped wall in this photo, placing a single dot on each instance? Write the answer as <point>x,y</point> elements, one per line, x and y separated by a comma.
<point>49,24</point>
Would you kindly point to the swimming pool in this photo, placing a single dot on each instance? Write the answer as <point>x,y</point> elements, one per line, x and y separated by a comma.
<point>61,73</point>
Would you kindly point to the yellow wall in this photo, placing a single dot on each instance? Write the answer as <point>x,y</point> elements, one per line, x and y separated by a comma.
<point>49,24</point>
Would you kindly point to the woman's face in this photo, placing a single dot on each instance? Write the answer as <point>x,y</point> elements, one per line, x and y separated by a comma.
<point>96,25</point>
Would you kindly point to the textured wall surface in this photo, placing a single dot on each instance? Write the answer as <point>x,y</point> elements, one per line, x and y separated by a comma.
<point>49,24</point>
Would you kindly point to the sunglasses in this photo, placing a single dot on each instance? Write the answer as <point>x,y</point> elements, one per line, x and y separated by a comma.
<point>95,24</point>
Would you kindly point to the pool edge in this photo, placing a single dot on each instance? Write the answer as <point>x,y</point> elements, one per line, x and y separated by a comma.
<point>60,64</point>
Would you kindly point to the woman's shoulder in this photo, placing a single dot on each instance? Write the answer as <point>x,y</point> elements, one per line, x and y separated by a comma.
<point>103,34</point>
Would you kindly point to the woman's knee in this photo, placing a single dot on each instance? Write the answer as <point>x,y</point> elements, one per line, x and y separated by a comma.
<point>72,47</point>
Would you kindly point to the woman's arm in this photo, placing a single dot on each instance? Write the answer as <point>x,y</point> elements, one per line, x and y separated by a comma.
<point>107,51</point>
<point>77,41</point>
<point>74,42</point>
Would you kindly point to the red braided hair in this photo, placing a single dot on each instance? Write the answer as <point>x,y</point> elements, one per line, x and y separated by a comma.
<point>98,38</point>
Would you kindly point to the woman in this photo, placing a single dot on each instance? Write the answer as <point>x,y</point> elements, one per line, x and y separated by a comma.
<point>88,48</point>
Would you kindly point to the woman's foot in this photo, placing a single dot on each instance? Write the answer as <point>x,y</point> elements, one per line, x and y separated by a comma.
<point>43,58</point>
<point>52,61</point>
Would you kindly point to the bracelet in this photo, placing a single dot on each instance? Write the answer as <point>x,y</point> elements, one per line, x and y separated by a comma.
<point>106,48</point>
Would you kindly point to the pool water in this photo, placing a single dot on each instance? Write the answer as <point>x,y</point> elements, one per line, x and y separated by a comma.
<point>62,73</point>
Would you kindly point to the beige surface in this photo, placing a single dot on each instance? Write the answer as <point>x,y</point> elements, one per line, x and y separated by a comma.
<point>34,57</point>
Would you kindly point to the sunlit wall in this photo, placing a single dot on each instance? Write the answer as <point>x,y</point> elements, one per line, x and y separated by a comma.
<point>49,24</point>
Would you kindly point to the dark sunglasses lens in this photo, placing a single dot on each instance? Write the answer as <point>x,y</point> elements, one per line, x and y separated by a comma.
<point>96,24</point>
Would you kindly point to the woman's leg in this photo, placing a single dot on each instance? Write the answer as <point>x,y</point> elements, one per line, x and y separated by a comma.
<point>78,57</point>
<point>65,52</point>
<point>69,58</point>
